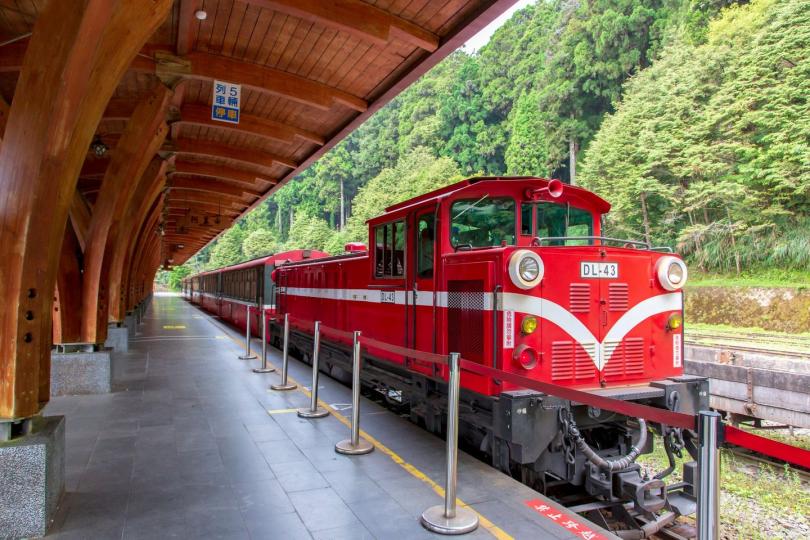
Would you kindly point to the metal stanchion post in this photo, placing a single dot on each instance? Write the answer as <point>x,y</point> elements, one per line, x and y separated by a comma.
<point>248,355</point>
<point>708,512</point>
<point>265,368</point>
<point>284,385</point>
<point>355,446</point>
<point>447,518</point>
<point>313,411</point>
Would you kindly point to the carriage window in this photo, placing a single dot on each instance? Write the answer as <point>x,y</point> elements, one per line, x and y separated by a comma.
<point>526,214</point>
<point>482,222</point>
<point>424,246</point>
<point>389,251</point>
<point>560,220</point>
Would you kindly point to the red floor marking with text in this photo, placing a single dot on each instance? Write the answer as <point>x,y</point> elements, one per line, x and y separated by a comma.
<point>574,527</point>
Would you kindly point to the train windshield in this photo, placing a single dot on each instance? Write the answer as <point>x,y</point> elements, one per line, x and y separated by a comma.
<point>564,223</point>
<point>482,222</point>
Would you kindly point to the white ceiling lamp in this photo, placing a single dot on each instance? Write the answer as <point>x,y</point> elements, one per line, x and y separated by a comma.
<point>201,14</point>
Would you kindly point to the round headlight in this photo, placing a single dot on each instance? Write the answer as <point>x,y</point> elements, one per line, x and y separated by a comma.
<point>528,268</point>
<point>525,269</point>
<point>671,272</point>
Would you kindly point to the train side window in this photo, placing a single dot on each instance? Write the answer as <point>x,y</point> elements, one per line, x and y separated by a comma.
<point>526,215</point>
<point>389,250</point>
<point>424,238</point>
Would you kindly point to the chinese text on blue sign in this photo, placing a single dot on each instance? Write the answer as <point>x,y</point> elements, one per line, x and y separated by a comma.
<point>226,101</point>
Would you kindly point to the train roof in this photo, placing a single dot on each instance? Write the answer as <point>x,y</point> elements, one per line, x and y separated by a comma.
<point>583,197</point>
<point>293,254</point>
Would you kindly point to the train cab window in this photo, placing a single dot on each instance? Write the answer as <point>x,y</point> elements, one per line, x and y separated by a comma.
<point>482,222</point>
<point>389,250</point>
<point>563,220</point>
<point>424,246</point>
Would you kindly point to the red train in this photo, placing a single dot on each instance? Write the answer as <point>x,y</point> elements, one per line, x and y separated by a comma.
<point>227,292</point>
<point>514,273</point>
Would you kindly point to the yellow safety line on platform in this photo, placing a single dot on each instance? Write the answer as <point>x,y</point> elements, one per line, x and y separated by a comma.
<point>493,529</point>
<point>281,411</point>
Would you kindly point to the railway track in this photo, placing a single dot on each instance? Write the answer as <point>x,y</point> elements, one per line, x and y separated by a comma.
<point>753,457</point>
<point>797,347</point>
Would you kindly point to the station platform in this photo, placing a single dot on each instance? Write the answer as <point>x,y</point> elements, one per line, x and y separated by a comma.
<point>192,444</point>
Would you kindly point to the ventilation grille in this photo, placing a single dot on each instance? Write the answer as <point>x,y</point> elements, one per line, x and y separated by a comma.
<point>618,296</point>
<point>627,360</point>
<point>465,312</point>
<point>579,297</point>
<point>571,361</point>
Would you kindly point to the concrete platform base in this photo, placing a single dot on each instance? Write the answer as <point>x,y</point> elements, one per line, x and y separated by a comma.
<point>117,338</point>
<point>32,476</point>
<point>80,373</point>
<point>131,323</point>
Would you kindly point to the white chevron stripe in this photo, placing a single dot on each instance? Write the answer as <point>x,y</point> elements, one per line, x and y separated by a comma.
<point>522,303</point>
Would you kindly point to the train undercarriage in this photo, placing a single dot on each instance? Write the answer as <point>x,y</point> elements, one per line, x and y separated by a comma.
<point>580,456</point>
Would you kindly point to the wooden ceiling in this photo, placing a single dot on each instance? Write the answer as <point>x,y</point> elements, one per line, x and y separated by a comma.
<point>311,72</point>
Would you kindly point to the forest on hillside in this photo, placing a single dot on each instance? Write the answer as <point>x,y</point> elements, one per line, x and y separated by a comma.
<point>690,116</point>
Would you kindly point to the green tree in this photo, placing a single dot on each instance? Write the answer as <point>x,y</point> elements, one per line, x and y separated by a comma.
<point>527,153</point>
<point>228,249</point>
<point>259,243</point>
<point>308,232</point>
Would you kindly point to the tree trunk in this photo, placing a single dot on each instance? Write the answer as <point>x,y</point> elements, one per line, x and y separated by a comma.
<point>573,147</point>
<point>646,218</point>
<point>291,219</point>
<point>733,241</point>
<point>342,207</point>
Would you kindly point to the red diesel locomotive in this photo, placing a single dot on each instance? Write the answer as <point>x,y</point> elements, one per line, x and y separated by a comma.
<point>514,273</point>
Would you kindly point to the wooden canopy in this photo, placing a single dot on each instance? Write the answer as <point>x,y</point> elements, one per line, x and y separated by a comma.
<point>111,163</point>
<point>310,70</point>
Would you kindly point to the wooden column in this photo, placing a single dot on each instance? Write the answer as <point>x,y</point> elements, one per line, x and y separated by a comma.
<point>143,136</point>
<point>149,188</point>
<point>76,55</point>
<point>138,254</point>
<point>67,307</point>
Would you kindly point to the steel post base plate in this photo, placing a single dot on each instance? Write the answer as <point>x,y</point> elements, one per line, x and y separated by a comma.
<point>319,412</point>
<point>433,519</point>
<point>248,357</point>
<point>281,387</point>
<point>347,448</point>
<point>263,370</point>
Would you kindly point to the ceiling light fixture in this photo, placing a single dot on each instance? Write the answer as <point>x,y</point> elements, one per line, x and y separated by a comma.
<point>201,14</point>
<point>98,147</point>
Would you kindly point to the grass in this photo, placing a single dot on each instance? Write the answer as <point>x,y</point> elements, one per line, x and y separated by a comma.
<point>771,277</point>
<point>751,492</point>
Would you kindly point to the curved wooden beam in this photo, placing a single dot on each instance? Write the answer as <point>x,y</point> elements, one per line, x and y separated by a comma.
<point>214,185</point>
<point>207,185</point>
<point>201,115</point>
<point>357,18</point>
<point>144,135</point>
<point>67,309</point>
<point>240,176</point>
<point>76,56</point>
<point>209,67</point>
<point>149,186</point>
<point>249,156</point>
